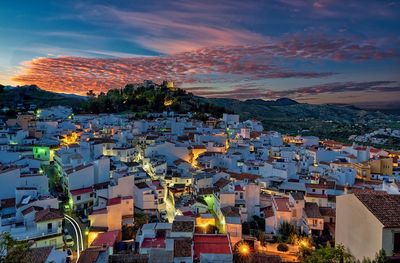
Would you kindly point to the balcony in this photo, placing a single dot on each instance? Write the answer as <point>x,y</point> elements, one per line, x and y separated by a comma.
<point>27,233</point>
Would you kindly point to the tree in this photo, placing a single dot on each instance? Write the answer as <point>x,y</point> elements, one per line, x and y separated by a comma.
<point>380,257</point>
<point>1,88</point>
<point>91,94</point>
<point>329,254</point>
<point>282,247</point>
<point>245,228</point>
<point>286,229</point>
<point>128,232</point>
<point>12,250</point>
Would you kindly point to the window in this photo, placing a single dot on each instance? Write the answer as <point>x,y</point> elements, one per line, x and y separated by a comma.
<point>91,195</point>
<point>49,227</point>
<point>313,190</point>
<point>78,197</point>
<point>396,243</point>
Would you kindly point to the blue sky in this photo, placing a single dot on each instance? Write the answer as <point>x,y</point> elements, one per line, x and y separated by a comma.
<point>312,51</point>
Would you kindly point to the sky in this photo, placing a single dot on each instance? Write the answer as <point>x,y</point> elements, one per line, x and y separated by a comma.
<point>321,51</point>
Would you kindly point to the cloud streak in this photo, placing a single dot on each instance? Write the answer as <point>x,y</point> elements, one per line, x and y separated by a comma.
<point>337,87</point>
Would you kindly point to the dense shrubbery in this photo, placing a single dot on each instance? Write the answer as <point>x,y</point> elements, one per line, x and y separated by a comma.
<point>282,247</point>
<point>155,98</point>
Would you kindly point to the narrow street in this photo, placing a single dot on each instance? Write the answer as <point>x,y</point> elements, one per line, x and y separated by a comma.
<point>170,208</point>
<point>75,231</point>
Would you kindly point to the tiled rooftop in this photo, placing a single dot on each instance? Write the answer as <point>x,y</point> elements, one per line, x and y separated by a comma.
<point>385,207</point>
<point>211,244</point>
<point>183,226</point>
<point>183,247</point>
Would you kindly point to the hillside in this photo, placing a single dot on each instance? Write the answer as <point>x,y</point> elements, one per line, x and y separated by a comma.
<point>327,121</point>
<point>25,96</point>
<point>284,115</point>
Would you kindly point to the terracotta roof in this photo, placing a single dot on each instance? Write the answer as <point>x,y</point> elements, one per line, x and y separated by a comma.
<point>99,211</point>
<point>206,191</point>
<point>158,242</point>
<point>268,212</point>
<point>282,204</point>
<point>47,215</point>
<point>297,196</point>
<point>90,255</point>
<point>183,226</point>
<point>322,185</point>
<point>360,148</point>
<point>327,211</point>
<point>81,191</point>
<point>28,210</point>
<point>312,210</point>
<point>7,203</point>
<point>183,248</point>
<point>243,176</point>
<point>238,188</point>
<point>211,244</point>
<point>222,182</point>
<point>114,201</point>
<point>383,206</point>
<point>40,254</point>
<point>106,239</point>
<point>230,211</point>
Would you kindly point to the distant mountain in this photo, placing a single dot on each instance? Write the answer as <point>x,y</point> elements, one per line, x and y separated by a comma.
<point>326,121</point>
<point>12,97</point>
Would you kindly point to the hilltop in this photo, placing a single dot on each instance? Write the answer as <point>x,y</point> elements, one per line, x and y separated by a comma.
<point>31,95</point>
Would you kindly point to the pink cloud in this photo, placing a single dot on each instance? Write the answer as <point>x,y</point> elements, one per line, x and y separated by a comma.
<point>205,65</point>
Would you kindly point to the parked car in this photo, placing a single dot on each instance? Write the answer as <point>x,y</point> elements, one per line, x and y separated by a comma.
<point>70,255</point>
<point>69,241</point>
<point>84,219</point>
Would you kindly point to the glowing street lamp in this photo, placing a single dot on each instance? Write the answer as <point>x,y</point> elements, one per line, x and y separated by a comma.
<point>244,249</point>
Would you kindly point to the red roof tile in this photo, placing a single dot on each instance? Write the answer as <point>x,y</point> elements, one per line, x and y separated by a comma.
<point>211,244</point>
<point>81,191</point>
<point>107,238</point>
<point>99,211</point>
<point>282,204</point>
<point>158,242</point>
<point>238,188</point>
<point>47,215</point>
<point>114,201</point>
<point>383,206</point>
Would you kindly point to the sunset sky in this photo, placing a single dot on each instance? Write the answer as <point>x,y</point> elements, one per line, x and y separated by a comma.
<point>313,51</point>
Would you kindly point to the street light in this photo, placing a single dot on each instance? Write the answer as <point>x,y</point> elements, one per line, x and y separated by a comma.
<point>244,249</point>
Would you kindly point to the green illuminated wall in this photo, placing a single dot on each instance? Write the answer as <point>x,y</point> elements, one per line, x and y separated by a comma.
<point>41,153</point>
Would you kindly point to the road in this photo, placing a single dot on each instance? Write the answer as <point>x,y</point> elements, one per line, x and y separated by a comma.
<point>76,232</point>
<point>170,208</point>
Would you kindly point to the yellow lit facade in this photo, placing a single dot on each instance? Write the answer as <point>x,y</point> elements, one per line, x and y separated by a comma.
<point>69,139</point>
<point>195,154</point>
<point>205,221</point>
